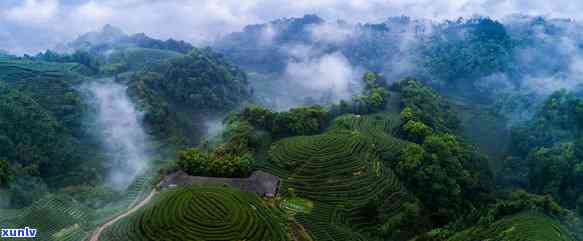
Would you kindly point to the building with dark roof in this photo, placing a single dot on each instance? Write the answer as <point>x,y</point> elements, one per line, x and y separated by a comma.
<point>260,182</point>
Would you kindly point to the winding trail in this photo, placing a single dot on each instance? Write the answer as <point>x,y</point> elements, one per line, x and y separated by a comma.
<point>97,232</point>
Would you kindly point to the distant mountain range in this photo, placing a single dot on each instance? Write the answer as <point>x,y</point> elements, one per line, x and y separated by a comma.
<point>110,35</point>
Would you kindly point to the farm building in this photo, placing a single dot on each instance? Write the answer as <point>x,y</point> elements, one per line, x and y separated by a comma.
<point>262,183</point>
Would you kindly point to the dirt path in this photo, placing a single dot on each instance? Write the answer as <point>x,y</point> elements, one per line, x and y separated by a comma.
<point>97,233</point>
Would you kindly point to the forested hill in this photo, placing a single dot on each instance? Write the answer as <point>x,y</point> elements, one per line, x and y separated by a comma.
<point>47,136</point>
<point>179,95</point>
<point>41,109</point>
<point>466,56</point>
<point>110,36</point>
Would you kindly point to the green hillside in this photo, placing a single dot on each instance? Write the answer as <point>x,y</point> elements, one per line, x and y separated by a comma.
<point>41,109</point>
<point>46,130</point>
<point>176,93</point>
<point>342,172</point>
<point>56,218</point>
<point>52,85</point>
<point>527,226</point>
<point>332,165</point>
<point>59,217</point>
<point>378,128</point>
<point>200,213</point>
<point>129,58</point>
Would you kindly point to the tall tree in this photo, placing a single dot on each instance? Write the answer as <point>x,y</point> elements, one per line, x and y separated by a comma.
<point>6,173</point>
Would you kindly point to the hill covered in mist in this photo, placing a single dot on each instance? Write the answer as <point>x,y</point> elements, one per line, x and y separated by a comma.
<point>479,56</point>
<point>49,135</point>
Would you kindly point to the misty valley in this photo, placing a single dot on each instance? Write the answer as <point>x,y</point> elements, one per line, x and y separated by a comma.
<point>298,129</point>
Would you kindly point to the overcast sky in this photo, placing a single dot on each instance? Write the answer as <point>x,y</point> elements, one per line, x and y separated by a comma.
<point>29,26</point>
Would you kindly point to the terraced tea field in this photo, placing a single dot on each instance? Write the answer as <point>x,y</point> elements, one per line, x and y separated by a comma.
<point>51,85</point>
<point>341,171</point>
<point>527,226</point>
<point>138,58</point>
<point>59,218</point>
<point>333,168</point>
<point>200,213</point>
<point>378,128</point>
<point>376,124</point>
<point>135,193</point>
<point>326,223</point>
<point>26,70</point>
<point>55,218</point>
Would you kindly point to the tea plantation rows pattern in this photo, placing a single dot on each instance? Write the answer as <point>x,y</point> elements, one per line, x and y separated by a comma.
<point>55,218</point>
<point>200,213</point>
<point>59,218</point>
<point>341,171</point>
<point>526,226</point>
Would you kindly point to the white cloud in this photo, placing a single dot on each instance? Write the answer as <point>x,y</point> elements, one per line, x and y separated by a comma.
<point>33,12</point>
<point>330,33</point>
<point>330,74</point>
<point>93,12</point>
<point>200,20</point>
<point>268,34</point>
